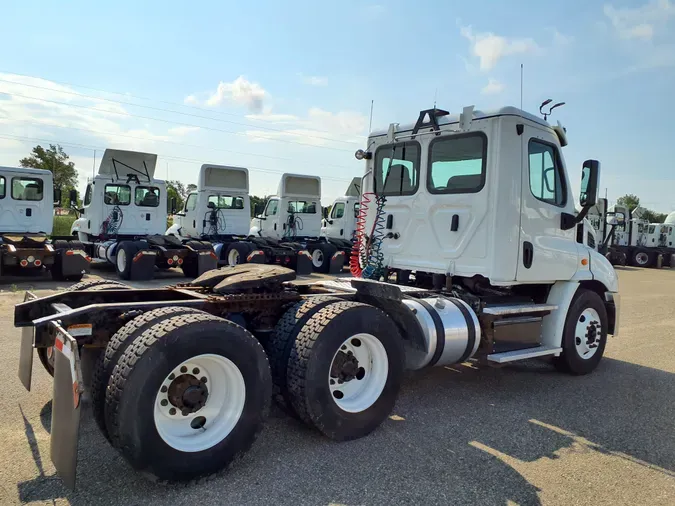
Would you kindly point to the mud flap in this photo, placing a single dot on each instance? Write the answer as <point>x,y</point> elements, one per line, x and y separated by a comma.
<point>73,262</point>
<point>303,263</point>
<point>143,265</point>
<point>206,261</point>
<point>337,263</point>
<point>256,257</point>
<point>66,398</point>
<point>26,350</point>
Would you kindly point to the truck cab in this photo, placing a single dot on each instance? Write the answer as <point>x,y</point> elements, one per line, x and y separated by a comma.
<point>480,194</point>
<point>294,213</point>
<point>340,223</point>
<point>123,199</point>
<point>219,209</point>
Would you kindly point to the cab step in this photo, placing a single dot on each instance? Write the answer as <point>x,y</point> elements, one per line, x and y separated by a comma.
<point>514,309</point>
<point>512,356</point>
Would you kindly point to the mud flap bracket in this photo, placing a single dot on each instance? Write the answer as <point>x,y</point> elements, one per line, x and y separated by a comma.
<point>66,405</point>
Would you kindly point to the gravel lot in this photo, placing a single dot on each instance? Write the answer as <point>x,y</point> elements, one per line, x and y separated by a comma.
<point>522,434</point>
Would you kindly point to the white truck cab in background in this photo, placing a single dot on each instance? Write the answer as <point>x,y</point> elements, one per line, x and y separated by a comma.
<point>218,211</point>
<point>27,200</point>
<point>123,220</point>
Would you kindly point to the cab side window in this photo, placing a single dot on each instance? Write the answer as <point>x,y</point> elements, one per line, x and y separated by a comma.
<point>338,210</point>
<point>271,209</point>
<point>191,202</point>
<point>546,177</point>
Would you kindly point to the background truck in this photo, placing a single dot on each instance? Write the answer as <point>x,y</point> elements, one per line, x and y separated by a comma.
<point>471,272</point>
<point>123,220</point>
<point>339,225</point>
<point>27,200</point>
<point>218,212</point>
<point>630,239</point>
<point>288,231</point>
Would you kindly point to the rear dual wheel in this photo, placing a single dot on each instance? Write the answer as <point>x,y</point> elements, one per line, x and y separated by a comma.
<point>187,396</point>
<point>344,370</point>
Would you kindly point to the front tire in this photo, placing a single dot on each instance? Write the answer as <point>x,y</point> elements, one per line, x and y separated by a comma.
<point>642,258</point>
<point>167,407</point>
<point>345,370</point>
<point>584,334</point>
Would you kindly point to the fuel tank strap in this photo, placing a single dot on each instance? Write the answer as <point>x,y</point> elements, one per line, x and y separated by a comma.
<point>440,331</point>
<point>470,326</point>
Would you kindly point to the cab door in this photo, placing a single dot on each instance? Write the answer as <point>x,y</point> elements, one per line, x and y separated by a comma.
<point>547,253</point>
<point>269,226</point>
<point>336,227</point>
<point>188,222</point>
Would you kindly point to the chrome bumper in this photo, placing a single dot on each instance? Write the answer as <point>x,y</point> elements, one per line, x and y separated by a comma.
<point>613,303</point>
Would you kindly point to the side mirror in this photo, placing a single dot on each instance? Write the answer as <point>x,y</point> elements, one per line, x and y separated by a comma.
<point>612,221</point>
<point>72,196</point>
<point>324,211</point>
<point>257,210</point>
<point>57,197</point>
<point>590,179</point>
<point>173,205</point>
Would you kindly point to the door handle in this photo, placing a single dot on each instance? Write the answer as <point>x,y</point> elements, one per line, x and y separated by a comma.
<point>454,224</point>
<point>390,221</point>
<point>528,254</point>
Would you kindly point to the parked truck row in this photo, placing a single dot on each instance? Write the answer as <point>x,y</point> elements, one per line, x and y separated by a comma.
<point>479,259</point>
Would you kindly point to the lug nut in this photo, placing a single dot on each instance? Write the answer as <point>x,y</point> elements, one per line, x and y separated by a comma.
<point>172,376</point>
<point>163,389</point>
<point>172,411</point>
<point>195,371</point>
<point>164,402</point>
<point>203,379</point>
<point>183,369</point>
<point>185,412</point>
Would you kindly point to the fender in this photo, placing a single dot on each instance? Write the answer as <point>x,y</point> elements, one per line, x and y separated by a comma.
<point>175,230</point>
<point>561,295</point>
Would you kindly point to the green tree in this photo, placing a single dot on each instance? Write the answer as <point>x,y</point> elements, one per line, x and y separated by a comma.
<point>178,190</point>
<point>653,217</point>
<point>258,203</point>
<point>57,162</point>
<point>629,200</point>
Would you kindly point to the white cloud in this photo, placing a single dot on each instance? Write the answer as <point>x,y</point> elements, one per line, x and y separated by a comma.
<point>183,130</point>
<point>315,80</point>
<point>490,48</point>
<point>640,22</point>
<point>319,128</point>
<point>191,100</point>
<point>493,87</point>
<point>273,118</point>
<point>241,91</point>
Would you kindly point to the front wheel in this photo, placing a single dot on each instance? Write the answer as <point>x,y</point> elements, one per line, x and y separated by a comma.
<point>345,370</point>
<point>188,396</point>
<point>642,258</point>
<point>237,253</point>
<point>584,334</point>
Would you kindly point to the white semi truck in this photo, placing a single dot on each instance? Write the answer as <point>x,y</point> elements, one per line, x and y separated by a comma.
<point>288,231</point>
<point>27,200</point>
<point>339,225</point>
<point>218,211</point>
<point>630,239</point>
<point>123,220</point>
<point>477,260</point>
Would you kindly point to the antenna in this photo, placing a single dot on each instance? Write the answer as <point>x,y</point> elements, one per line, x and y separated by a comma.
<point>370,125</point>
<point>521,86</point>
<point>435,96</point>
<point>93,166</point>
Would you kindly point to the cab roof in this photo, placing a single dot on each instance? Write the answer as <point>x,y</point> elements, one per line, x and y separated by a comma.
<point>25,170</point>
<point>451,118</point>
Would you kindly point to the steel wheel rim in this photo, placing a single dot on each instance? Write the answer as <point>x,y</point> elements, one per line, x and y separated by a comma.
<point>642,258</point>
<point>233,257</point>
<point>121,260</point>
<point>587,333</point>
<point>204,427</point>
<point>317,258</point>
<point>359,392</point>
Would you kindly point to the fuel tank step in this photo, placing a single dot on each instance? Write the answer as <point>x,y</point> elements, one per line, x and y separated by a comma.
<point>512,356</point>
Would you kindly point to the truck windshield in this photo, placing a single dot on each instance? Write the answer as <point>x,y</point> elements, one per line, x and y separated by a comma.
<point>397,169</point>
<point>225,202</point>
<point>302,206</point>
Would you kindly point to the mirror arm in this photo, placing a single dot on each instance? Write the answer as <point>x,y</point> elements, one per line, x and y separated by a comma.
<point>568,221</point>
